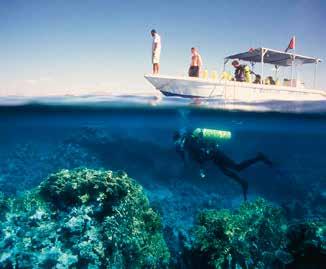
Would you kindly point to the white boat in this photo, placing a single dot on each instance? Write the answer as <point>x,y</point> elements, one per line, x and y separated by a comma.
<point>234,91</point>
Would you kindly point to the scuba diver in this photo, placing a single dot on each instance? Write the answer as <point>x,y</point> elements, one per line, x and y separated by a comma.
<point>202,146</point>
<point>242,72</point>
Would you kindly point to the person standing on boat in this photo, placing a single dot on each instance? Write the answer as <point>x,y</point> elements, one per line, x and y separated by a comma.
<point>196,63</point>
<point>156,51</point>
<point>242,72</point>
<point>202,145</point>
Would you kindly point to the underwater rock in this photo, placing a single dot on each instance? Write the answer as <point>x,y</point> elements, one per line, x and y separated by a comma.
<point>83,218</point>
<point>244,239</point>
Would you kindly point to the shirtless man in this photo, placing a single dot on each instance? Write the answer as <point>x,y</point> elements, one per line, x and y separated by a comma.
<point>196,63</point>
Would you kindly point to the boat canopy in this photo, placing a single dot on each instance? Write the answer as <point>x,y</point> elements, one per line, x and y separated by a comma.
<point>274,57</point>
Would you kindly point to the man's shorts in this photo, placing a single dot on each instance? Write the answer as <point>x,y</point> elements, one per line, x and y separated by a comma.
<point>156,57</point>
<point>193,71</point>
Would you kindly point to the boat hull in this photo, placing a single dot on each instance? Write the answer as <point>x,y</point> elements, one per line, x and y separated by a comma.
<point>230,90</point>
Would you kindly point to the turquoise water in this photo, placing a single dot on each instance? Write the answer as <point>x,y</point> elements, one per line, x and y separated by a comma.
<point>39,139</point>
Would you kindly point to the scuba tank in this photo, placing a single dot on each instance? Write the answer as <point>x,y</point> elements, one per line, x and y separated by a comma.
<point>247,74</point>
<point>214,75</point>
<point>211,135</point>
<point>205,74</point>
<point>226,76</point>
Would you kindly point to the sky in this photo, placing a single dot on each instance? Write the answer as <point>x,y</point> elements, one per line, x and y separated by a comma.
<point>97,46</point>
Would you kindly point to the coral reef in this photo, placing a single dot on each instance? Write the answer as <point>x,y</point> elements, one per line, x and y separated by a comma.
<point>255,236</point>
<point>249,237</point>
<point>83,218</point>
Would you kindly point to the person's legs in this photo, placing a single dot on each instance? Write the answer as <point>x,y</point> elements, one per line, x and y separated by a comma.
<point>156,68</point>
<point>224,161</point>
<point>156,62</point>
<point>246,163</point>
<point>196,72</point>
<point>243,183</point>
<point>226,165</point>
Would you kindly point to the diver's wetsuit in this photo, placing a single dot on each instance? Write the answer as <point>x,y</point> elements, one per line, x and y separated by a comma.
<point>202,151</point>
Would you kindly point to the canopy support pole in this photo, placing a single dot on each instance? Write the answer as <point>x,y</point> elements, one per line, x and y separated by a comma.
<point>225,62</point>
<point>263,52</point>
<point>292,61</point>
<point>315,75</point>
<point>276,71</point>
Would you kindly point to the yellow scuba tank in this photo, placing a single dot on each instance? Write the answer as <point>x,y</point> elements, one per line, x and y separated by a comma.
<point>247,74</point>
<point>211,135</point>
<point>226,76</point>
<point>205,74</point>
<point>214,75</point>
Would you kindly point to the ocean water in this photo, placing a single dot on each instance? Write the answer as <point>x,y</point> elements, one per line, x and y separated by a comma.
<point>40,138</point>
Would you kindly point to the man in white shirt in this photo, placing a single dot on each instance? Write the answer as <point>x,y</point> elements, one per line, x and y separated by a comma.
<point>156,51</point>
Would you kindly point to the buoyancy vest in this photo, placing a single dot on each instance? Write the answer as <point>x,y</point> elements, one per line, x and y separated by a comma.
<point>242,73</point>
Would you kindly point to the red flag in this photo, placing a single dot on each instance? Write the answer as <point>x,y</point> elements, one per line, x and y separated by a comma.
<point>291,44</point>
